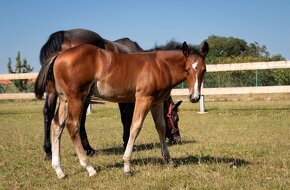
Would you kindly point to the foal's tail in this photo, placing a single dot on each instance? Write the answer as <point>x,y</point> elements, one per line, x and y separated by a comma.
<point>48,53</point>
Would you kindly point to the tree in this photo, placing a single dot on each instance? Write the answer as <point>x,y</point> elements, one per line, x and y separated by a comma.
<point>20,67</point>
<point>230,49</point>
<point>234,50</point>
<point>2,89</point>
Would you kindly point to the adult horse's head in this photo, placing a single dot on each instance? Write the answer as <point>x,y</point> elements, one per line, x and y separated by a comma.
<point>171,121</point>
<point>195,68</point>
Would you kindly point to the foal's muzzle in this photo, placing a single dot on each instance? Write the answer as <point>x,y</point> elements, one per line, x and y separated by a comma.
<point>194,99</point>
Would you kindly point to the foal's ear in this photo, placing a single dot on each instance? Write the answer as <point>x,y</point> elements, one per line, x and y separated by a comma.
<point>184,49</point>
<point>204,49</point>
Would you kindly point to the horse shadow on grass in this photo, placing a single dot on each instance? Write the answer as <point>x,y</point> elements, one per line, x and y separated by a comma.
<point>189,160</point>
<point>140,147</point>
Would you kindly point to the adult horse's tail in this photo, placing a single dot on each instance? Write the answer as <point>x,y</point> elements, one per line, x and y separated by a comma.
<point>48,53</point>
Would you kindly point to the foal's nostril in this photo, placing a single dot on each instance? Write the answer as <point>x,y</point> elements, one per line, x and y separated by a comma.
<point>194,99</point>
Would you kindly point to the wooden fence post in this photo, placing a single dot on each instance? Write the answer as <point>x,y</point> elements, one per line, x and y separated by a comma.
<point>201,103</point>
<point>90,109</point>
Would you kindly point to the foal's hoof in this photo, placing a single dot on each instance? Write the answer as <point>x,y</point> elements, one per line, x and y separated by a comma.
<point>62,177</point>
<point>129,174</point>
<point>93,174</point>
<point>48,156</point>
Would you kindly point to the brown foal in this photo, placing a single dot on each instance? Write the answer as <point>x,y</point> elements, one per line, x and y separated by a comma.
<point>145,78</point>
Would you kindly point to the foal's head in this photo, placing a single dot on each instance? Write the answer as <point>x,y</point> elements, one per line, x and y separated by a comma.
<point>195,69</point>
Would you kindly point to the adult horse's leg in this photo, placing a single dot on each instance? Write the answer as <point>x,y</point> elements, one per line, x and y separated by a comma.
<point>83,133</point>
<point>48,113</point>
<point>158,117</point>
<point>57,128</point>
<point>74,110</point>
<point>142,106</point>
<point>126,110</point>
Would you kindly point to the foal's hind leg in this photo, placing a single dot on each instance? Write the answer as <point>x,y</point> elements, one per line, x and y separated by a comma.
<point>57,128</point>
<point>75,108</point>
<point>158,117</point>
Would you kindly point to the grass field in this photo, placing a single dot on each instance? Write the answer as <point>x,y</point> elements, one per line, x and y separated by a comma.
<point>236,145</point>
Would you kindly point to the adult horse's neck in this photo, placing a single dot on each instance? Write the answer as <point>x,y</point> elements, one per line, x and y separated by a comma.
<point>116,47</point>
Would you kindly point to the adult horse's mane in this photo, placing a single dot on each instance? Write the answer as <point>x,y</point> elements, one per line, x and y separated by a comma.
<point>129,43</point>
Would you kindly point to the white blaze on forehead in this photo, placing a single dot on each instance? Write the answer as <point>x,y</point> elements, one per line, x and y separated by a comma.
<point>194,65</point>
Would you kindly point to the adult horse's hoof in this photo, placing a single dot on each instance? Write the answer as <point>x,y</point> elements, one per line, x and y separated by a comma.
<point>91,152</point>
<point>171,164</point>
<point>48,156</point>
<point>129,174</point>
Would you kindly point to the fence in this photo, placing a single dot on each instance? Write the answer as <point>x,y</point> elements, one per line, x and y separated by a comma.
<point>181,92</point>
<point>240,90</point>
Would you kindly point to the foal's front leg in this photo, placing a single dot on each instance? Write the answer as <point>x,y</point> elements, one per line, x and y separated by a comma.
<point>142,106</point>
<point>158,117</point>
<point>83,133</point>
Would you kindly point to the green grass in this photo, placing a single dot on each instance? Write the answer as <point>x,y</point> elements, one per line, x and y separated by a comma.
<point>236,145</point>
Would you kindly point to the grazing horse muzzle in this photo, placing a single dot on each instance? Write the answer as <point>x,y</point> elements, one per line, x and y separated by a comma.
<point>194,99</point>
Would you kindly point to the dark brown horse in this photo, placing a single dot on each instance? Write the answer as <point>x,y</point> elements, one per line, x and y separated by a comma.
<point>144,78</point>
<point>171,121</point>
<point>63,40</point>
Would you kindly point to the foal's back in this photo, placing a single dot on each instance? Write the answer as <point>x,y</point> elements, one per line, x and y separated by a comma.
<point>115,73</point>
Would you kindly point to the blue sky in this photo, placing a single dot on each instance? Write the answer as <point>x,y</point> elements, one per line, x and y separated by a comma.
<point>26,25</point>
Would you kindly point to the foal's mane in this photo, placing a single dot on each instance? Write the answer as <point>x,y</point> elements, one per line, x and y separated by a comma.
<point>174,45</point>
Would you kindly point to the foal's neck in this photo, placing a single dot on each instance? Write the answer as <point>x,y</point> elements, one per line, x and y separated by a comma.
<point>176,61</point>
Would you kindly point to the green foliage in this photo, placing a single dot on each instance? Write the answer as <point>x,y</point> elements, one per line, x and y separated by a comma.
<point>20,67</point>
<point>2,88</point>
<point>225,50</point>
<point>235,50</point>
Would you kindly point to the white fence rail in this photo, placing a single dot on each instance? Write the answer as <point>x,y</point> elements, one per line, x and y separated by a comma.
<point>249,66</point>
<point>181,92</point>
<point>17,76</point>
<point>236,90</point>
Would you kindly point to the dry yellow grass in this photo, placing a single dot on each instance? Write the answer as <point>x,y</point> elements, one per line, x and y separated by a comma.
<point>236,145</point>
